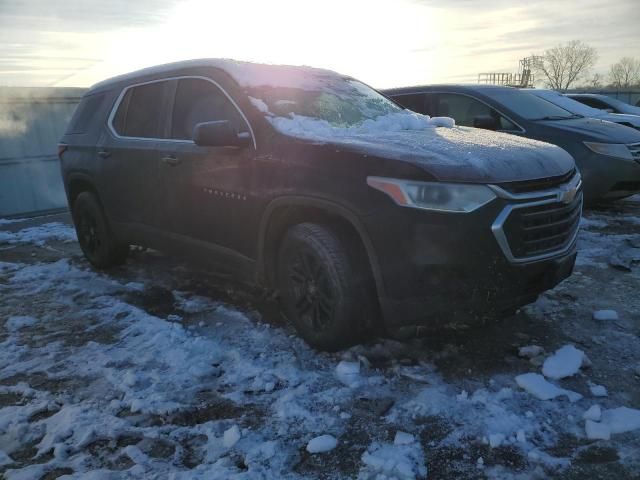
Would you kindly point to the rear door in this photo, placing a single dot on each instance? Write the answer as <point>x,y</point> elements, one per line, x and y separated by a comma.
<point>416,102</point>
<point>130,150</point>
<point>206,194</point>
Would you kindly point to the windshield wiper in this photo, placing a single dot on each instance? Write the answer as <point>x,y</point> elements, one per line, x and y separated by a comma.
<point>558,117</point>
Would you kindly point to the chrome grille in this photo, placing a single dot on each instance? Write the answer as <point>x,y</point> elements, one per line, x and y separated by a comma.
<point>538,184</point>
<point>537,230</point>
<point>540,224</point>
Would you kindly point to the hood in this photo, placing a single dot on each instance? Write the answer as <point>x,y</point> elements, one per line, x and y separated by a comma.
<point>462,154</point>
<point>594,129</point>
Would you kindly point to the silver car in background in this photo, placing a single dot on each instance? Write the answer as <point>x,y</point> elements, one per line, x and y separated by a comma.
<point>605,102</point>
<point>578,108</point>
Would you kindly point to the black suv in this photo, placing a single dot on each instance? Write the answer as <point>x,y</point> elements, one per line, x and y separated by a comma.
<point>359,213</point>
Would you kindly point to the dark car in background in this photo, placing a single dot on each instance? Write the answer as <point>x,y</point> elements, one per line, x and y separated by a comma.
<point>315,185</point>
<point>605,102</point>
<point>607,154</point>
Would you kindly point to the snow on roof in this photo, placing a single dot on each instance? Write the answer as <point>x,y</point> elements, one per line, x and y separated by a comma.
<point>246,74</point>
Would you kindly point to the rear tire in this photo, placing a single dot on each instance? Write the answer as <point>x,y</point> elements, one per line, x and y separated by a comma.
<point>322,287</point>
<point>95,236</point>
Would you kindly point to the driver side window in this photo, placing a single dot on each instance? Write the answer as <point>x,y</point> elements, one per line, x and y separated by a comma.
<point>198,101</point>
<point>463,109</point>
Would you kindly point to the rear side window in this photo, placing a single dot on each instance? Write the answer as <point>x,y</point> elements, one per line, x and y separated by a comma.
<point>594,102</point>
<point>140,112</point>
<point>200,101</point>
<point>87,109</point>
<point>413,101</point>
<point>464,109</point>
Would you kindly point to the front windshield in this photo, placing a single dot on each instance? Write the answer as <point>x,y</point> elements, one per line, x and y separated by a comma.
<point>340,102</point>
<point>569,104</point>
<point>529,106</point>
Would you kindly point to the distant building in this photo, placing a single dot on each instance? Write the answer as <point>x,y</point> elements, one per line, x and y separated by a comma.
<point>32,121</point>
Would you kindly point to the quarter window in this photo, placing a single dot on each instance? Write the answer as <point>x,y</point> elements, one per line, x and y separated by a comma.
<point>200,101</point>
<point>89,106</point>
<point>465,109</point>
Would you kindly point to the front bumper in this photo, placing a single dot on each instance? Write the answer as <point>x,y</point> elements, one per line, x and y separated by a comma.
<point>437,266</point>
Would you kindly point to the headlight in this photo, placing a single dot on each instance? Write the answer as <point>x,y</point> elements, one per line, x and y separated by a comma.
<point>445,197</point>
<point>618,150</point>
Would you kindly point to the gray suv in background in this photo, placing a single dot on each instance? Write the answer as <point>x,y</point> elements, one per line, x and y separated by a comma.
<point>607,154</point>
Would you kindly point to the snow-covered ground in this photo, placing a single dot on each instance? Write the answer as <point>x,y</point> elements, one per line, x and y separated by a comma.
<point>156,370</point>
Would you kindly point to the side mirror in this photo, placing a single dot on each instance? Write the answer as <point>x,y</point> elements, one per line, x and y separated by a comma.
<point>485,121</point>
<point>219,134</point>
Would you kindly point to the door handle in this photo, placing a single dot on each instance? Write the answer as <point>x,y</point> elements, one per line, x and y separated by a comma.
<point>171,160</point>
<point>104,154</point>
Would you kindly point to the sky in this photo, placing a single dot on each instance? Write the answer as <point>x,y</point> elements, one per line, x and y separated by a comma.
<point>383,43</point>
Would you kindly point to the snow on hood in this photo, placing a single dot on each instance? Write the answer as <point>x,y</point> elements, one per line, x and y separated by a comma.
<point>321,130</point>
<point>450,154</point>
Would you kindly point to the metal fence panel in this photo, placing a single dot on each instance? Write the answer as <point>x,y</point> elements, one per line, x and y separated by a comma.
<point>31,124</point>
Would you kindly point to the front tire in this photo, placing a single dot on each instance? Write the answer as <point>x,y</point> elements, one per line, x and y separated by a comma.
<point>322,289</point>
<point>96,239</point>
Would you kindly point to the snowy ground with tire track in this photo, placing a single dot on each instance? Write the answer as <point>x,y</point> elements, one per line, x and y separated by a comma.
<point>157,370</point>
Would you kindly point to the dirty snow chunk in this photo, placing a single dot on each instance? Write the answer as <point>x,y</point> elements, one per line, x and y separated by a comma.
<point>231,436</point>
<point>259,104</point>
<point>597,431</point>
<point>520,436</point>
<point>593,413</point>
<point>348,373</point>
<point>322,444</point>
<point>496,439</point>
<point>597,390</point>
<point>539,387</point>
<point>621,419</point>
<point>530,351</point>
<point>605,315</point>
<point>5,459</point>
<point>443,122</point>
<point>403,438</point>
<point>564,363</point>
<point>14,324</point>
<point>401,462</point>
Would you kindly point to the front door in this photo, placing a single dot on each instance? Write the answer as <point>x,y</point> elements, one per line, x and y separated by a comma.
<point>206,190</point>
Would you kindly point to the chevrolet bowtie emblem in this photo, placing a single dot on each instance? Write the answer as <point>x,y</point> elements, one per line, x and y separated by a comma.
<point>567,196</point>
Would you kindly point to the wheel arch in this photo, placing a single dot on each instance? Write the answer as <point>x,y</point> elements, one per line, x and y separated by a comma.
<point>284,212</point>
<point>78,183</point>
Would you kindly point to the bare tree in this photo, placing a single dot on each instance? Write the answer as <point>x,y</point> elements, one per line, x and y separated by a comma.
<point>566,63</point>
<point>595,81</point>
<point>625,73</point>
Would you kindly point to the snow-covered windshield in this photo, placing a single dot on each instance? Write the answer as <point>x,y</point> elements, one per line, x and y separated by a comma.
<point>340,102</point>
<point>568,103</point>
<point>529,106</point>
<point>619,105</point>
